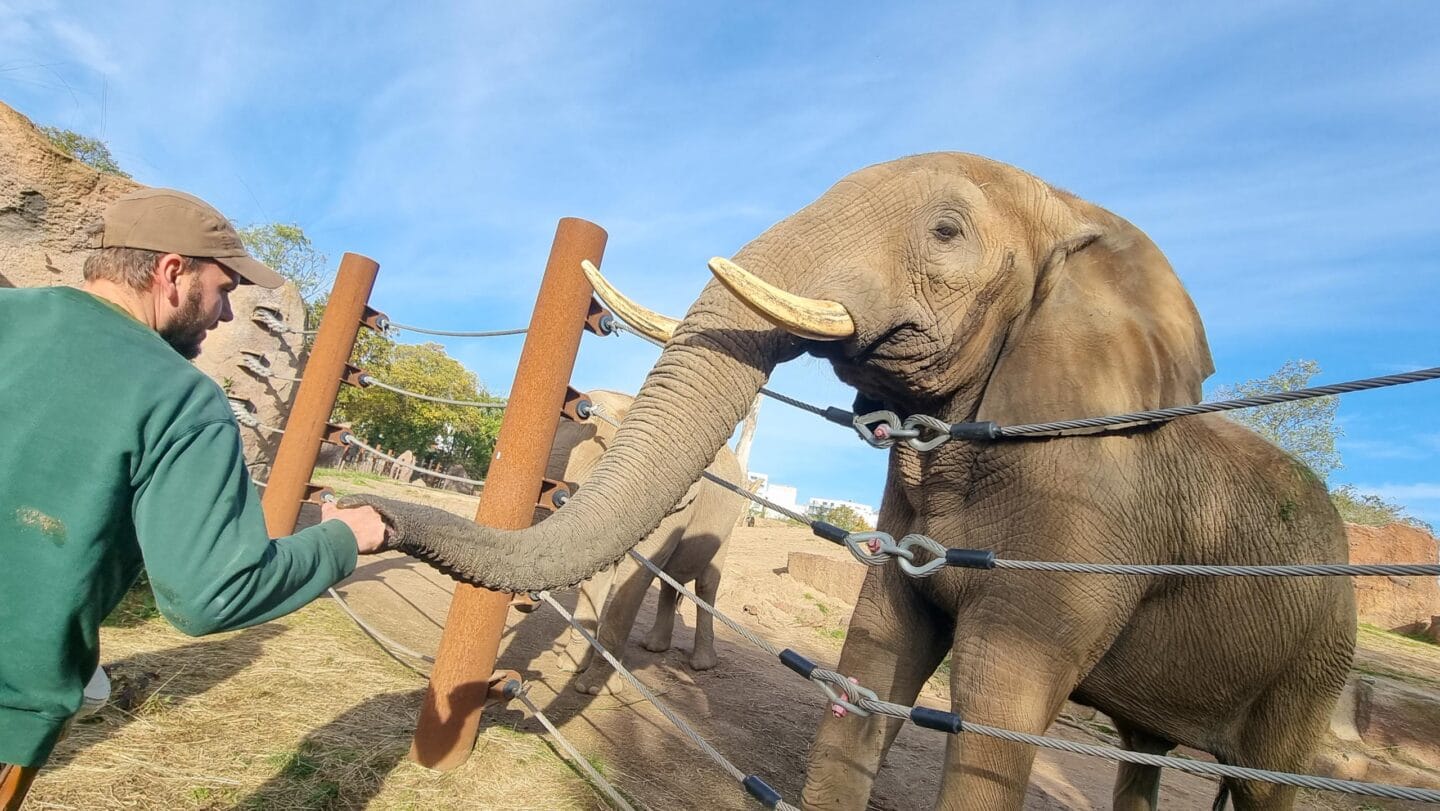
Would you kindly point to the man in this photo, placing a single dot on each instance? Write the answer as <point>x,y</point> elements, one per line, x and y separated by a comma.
<point>115,450</point>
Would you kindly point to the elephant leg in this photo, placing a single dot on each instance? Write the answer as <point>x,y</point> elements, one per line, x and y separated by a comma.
<point>995,684</point>
<point>707,588</point>
<point>589,608</point>
<point>894,643</point>
<point>1137,788</point>
<point>664,627</point>
<point>1283,729</point>
<point>634,581</point>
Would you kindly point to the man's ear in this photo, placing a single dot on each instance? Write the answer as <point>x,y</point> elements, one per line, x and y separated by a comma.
<point>168,270</point>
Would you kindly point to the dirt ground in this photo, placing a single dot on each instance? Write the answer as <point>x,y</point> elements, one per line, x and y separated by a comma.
<point>754,711</point>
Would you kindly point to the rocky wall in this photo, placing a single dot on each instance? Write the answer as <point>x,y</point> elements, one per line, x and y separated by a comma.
<point>50,204</point>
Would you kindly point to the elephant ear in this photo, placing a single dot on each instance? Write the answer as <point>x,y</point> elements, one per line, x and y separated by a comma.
<point>1109,329</point>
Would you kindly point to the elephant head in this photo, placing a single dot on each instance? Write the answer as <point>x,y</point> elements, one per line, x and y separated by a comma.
<point>945,284</point>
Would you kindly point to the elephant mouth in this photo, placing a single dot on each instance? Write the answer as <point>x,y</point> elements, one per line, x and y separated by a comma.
<point>868,352</point>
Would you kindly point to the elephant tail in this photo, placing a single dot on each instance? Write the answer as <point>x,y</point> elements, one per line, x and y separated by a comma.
<point>1222,799</point>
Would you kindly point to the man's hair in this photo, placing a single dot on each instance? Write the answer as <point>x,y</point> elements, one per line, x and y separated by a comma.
<point>133,267</point>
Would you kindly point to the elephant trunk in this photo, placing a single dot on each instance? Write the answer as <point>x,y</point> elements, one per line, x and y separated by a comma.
<point>699,389</point>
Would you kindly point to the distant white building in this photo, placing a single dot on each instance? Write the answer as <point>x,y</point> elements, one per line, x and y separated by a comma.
<point>865,511</point>
<point>782,494</point>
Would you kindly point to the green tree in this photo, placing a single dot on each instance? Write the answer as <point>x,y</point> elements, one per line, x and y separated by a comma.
<point>841,516</point>
<point>434,431</point>
<point>1372,510</point>
<point>1305,429</point>
<point>285,248</point>
<point>90,151</point>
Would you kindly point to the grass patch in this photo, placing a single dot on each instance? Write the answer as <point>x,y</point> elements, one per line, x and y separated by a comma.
<point>352,476</point>
<point>137,607</point>
<point>1412,639</point>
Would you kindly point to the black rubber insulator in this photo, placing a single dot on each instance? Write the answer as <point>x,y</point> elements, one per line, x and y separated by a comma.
<point>936,719</point>
<point>976,430</point>
<point>761,791</point>
<point>840,416</point>
<point>829,531</point>
<point>797,663</point>
<point>970,558</point>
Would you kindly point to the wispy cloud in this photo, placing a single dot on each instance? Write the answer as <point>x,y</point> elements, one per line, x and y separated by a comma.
<point>1281,155</point>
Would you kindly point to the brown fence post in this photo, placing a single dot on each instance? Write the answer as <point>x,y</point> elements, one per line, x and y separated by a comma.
<point>450,717</point>
<point>295,458</point>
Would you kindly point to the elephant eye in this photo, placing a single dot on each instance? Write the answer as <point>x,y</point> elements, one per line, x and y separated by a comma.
<point>946,230</point>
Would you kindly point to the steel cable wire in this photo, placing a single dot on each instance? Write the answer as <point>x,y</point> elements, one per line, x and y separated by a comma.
<point>523,694</point>
<point>1109,753</point>
<point>369,380</point>
<point>1163,414</point>
<point>720,760</point>
<point>453,334</point>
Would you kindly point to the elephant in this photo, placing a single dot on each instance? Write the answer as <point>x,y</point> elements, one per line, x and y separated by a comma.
<point>689,545</point>
<point>954,286</point>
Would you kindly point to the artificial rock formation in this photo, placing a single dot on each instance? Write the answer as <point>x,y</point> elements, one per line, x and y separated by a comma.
<point>1405,604</point>
<point>51,204</point>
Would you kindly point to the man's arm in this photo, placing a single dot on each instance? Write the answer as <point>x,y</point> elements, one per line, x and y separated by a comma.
<point>212,564</point>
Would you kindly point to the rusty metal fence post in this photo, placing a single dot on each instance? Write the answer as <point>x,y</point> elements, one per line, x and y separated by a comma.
<point>295,458</point>
<point>450,717</point>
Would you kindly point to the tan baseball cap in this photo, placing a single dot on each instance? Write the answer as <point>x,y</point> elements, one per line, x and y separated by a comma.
<point>172,221</point>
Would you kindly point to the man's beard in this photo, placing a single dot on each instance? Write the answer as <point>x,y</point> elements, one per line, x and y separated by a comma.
<point>187,329</point>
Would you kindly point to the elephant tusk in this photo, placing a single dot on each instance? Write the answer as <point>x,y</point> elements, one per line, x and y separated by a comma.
<point>815,319</point>
<point>647,322</point>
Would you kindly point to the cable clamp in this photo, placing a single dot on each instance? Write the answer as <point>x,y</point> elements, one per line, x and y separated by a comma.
<point>875,548</point>
<point>840,690</point>
<point>907,564</point>
<point>886,433</point>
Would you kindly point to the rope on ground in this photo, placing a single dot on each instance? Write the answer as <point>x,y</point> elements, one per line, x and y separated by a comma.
<point>369,380</point>
<point>889,428</point>
<point>754,785</point>
<point>523,693</point>
<point>350,439</point>
<point>487,334</point>
<point>386,643</point>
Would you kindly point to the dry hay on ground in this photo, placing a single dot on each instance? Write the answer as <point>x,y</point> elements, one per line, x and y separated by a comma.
<point>301,713</point>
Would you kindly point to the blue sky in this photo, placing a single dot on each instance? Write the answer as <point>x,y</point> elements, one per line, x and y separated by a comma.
<point>1283,155</point>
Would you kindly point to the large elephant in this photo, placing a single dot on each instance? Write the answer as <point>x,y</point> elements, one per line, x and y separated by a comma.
<point>689,545</point>
<point>951,285</point>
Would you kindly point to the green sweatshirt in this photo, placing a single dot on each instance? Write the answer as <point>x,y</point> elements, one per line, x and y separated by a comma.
<point>114,448</point>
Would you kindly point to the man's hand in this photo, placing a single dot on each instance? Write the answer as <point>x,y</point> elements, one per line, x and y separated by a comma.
<point>364,522</point>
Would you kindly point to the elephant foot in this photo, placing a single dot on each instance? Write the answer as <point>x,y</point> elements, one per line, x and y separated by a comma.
<point>575,658</point>
<point>655,644</point>
<point>597,680</point>
<point>703,660</point>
